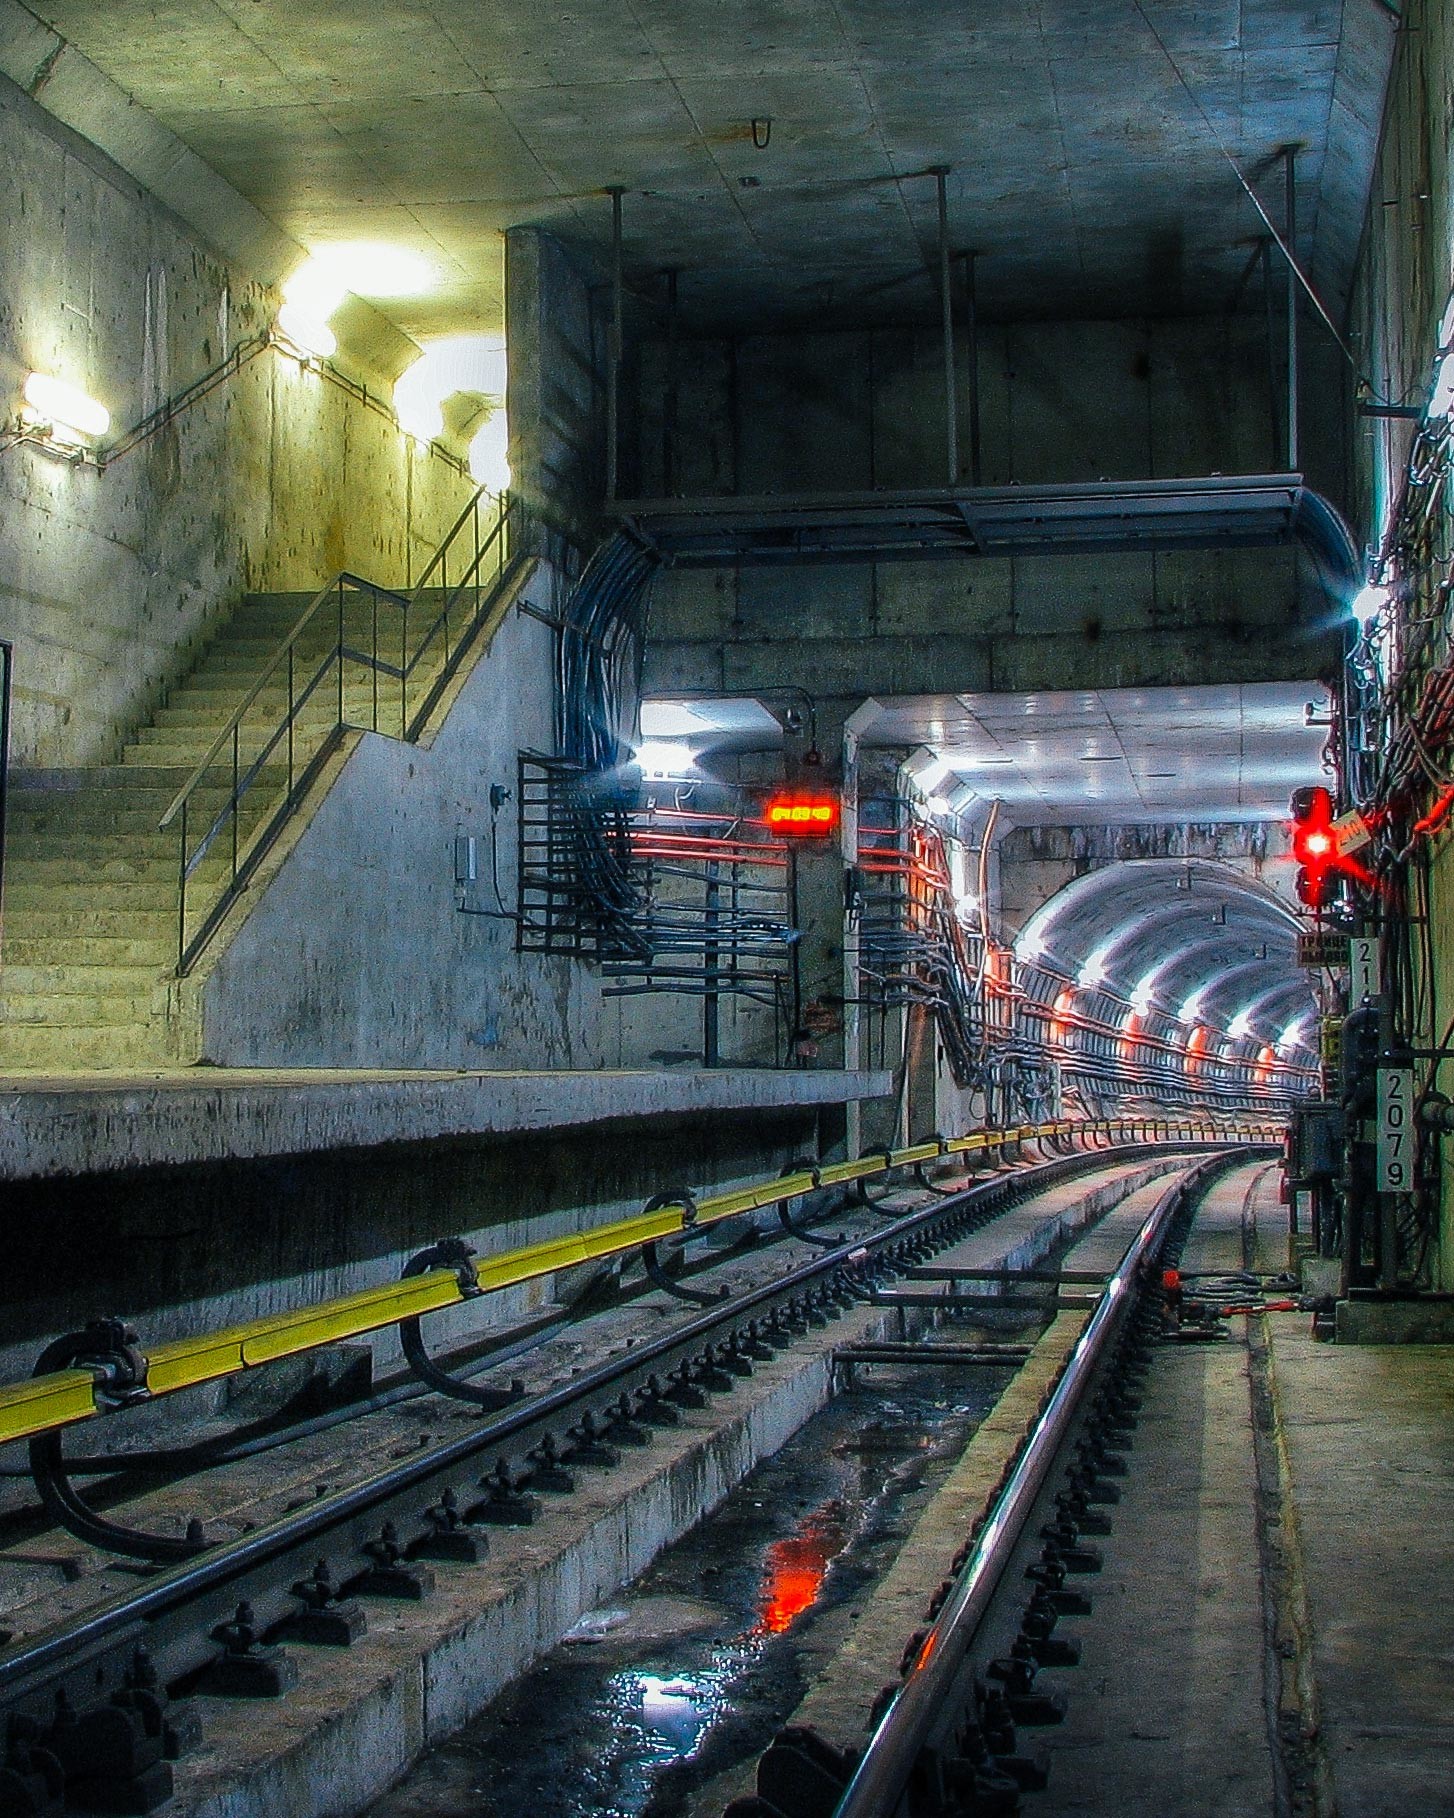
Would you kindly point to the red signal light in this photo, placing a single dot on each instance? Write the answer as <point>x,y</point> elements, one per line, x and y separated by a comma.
<point>800,815</point>
<point>1312,843</point>
<point>1324,843</point>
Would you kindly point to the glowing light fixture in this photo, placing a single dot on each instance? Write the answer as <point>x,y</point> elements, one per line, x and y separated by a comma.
<point>1292,1034</point>
<point>931,776</point>
<point>664,758</point>
<point>802,814</point>
<point>670,720</point>
<point>307,333</point>
<point>939,805</point>
<point>1369,602</point>
<point>64,409</point>
<point>372,268</point>
<point>1240,1026</point>
<point>489,454</point>
<point>1441,400</point>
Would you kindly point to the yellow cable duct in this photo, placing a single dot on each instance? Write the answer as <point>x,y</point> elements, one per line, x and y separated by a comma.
<point>65,1397</point>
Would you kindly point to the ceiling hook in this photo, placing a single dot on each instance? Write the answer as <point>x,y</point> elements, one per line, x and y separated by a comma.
<point>762,133</point>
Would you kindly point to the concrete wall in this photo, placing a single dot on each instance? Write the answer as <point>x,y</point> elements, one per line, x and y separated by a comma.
<point>1060,402</point>
<point>187,1249</point>
<point>557,427</point>
<point>358,955</point>
<point>1038,862</point>
<point>110,580</point>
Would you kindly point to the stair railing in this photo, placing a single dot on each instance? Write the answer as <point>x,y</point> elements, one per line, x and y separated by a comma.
<point>354,646</point>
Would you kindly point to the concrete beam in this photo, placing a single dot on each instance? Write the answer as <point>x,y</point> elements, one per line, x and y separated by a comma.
<point>854,667</point>
<point>55,1127</point>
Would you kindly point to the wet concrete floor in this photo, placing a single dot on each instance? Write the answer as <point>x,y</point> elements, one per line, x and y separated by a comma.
<point>692,1668</point>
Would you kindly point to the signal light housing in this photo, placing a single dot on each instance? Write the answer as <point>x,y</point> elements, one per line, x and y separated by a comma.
<point>802,814</point>
<point>1323,845</point>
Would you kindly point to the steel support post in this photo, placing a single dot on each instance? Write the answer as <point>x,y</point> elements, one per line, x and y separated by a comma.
<point>1290,233</point>
<point>946,313</point>
<point>613,348</point>
<point>972,357</point>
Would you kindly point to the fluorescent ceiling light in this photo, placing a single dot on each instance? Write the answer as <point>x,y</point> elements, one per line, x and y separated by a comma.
<point>65,407</point>
<point>671,720</point>
<point>307,332</point>
<point>661,758</point>
<point>372,268</point>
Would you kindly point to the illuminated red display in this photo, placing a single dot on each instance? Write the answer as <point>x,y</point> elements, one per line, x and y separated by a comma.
<point>800,815</point>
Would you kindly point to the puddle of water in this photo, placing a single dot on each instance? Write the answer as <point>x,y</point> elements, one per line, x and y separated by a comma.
<point>695,1666</point>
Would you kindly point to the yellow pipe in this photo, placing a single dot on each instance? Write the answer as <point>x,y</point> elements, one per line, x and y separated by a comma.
<point>64,1397</point>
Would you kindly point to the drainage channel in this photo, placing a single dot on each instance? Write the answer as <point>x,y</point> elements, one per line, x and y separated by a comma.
<point>694,1668</point>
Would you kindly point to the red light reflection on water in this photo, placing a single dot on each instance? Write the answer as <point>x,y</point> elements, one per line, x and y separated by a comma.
<point>794,1567</point>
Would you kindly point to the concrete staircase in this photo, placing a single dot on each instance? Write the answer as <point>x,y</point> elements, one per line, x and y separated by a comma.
<point>91,883</point>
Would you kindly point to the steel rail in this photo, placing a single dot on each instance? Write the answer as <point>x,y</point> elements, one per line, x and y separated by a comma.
<point>926,1695</point>
<point>252,1563</point>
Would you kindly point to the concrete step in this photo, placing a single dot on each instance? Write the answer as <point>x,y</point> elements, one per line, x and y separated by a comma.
<point>25,948</point>
<point>80,874</point>
<point>83,923</point>
<point>25,895</point>
<point>104,851</point>
<point>44,1047</point>
<point>77,981</point>
<point>74,1009</point>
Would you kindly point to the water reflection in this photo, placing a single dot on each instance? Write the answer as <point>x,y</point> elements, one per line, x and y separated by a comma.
<point>794,1567</point>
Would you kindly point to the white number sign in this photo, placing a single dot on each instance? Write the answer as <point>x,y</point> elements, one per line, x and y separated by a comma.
<point>1395,1130</point>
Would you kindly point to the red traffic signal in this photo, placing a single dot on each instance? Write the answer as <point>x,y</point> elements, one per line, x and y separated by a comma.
<point>1313,845</point>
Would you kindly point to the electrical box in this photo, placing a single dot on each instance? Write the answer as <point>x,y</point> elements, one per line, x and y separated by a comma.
<point>1317,1141</point>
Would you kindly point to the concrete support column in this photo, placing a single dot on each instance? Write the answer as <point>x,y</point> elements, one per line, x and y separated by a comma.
<point>826,970</point>
<point>556,430</point>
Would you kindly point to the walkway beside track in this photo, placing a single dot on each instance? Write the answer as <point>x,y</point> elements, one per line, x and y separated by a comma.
<point>1270,1629</point>
<point>1366,1436</point>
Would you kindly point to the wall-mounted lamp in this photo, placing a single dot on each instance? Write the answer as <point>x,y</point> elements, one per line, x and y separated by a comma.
<point>61,416</point>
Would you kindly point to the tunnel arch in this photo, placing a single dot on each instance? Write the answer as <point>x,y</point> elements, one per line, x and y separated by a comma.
<point>1168,936</point>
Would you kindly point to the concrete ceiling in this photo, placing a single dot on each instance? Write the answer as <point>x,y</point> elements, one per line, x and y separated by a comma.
<point>1085,137</point>
<point>1117,757</point>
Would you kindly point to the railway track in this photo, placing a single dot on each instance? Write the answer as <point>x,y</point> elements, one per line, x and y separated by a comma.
<point>100,1704</point>
<point>1020,1645</point>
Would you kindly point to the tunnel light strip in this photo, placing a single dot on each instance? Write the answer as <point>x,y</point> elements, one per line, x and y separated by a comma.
<point>65,1397</point>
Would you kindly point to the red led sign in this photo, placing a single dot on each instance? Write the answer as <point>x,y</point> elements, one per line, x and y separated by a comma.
<point>803,816</point>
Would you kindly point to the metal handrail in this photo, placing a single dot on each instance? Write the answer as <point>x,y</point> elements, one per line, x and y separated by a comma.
<point>926,1695</point>
<point>227,745</point>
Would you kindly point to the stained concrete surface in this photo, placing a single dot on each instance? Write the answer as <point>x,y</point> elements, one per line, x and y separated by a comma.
<point>1086,146</point>
<point>1369,1433</point>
